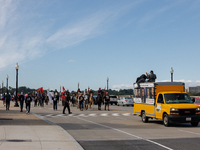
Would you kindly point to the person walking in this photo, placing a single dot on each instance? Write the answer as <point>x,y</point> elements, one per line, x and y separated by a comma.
<point>78,94</point>
<point>73,99</point>
<point>100,98</point>
<point>3,99</point>
<point>8,98</point>
<point>55,100</point>
<point>28,103</point>
<point>67,100</point>
<point>86,99</point>
<point>21,99</point>
<point>81,101</point>
<point>43,99</point>
<point>107,100</point>
<point>36,100</point>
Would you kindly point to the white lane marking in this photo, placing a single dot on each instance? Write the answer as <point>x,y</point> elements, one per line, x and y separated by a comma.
<point>71,115</point>
<point>115,114</point>
<point>92,115</point>
<point>126,114</point>
<point>81,115</point>
<point>126,133</point>
<point>60,115</point>
<point>103,114</point>
<point>189,132</point>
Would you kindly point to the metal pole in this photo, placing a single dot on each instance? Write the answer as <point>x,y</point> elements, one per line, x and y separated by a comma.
<point>16,103</point>
<point>7,86</point>
<point>2,87</point>
<point>107,85</point>
<point>171,77</point>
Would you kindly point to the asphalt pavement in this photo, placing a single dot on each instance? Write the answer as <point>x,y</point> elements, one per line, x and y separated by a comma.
<point>90,129</point>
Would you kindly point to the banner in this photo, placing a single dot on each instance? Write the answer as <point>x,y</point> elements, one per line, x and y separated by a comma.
<point>50,95</point>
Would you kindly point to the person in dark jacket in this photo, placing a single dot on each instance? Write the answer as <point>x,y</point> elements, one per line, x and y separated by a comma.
<point>55,100</point>
<point>151,76</point>
<point>99,98</point>
<point>81,101</point>
<point>8,98</point>
<point>107,100</point>
<point>28,103</point>
<point>21,99</point>
<point>67,100</point>
<point>141,79</point>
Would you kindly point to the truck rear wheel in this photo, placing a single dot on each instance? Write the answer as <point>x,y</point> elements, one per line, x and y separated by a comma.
<point>194,124</point>
<point>166,120</point>
<point>144,117</point>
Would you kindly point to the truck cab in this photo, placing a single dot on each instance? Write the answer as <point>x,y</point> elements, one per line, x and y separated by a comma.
<point>166,101</point>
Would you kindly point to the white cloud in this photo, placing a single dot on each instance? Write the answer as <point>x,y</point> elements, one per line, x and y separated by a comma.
<point>21,41</point>
<point>71,61</point>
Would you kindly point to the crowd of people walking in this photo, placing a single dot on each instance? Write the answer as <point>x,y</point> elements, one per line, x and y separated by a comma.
<point>82,100</point>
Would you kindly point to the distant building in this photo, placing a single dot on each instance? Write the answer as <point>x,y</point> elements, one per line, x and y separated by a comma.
<point>194,89</point>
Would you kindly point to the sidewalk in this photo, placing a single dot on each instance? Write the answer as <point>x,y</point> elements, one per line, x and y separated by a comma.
<point>19,131</point>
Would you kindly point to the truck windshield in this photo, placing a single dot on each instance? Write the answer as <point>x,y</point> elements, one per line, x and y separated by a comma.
<point>177,98</point>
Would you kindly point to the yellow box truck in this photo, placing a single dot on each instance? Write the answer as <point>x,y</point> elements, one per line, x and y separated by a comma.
<point>167,101</point>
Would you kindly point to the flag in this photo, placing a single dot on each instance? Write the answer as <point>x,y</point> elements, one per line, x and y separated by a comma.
<point>63,90</point>
<point>40,90</point>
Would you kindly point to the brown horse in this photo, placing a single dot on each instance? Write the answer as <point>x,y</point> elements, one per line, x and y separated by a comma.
<point>91,101</point>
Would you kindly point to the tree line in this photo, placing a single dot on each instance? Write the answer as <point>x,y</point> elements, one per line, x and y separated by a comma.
<point>25,89</point>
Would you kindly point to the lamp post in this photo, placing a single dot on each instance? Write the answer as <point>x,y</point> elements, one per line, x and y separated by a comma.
<point>7,83</point>
<point>17,68</point>
<point>2,87</point>
<point>78,85</point>
<point>107,83</point>
<point>171,71</point>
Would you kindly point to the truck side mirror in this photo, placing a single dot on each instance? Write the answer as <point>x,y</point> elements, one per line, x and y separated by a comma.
<point>193,99</point>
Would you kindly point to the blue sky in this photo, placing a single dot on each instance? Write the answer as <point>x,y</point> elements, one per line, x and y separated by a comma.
<point>63,42</point>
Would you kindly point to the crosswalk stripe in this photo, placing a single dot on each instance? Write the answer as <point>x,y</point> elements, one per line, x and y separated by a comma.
<point>60,115</point>
<point>126,114</point>
<point>103,114</point>
<point>91,114</point>
<point>85,115</point>
<point>81,115</point>
<point>115,114</point>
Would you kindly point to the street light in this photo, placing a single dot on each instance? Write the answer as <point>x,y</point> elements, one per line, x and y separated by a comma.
<point>7,83</point>
<point>171,71</point>
<point>17,68</point>
<point>107,83</point>
<point>2,87</point>
<point>78,85</point>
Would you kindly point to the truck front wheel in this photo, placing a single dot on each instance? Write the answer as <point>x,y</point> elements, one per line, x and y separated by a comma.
<point>166,120</point>
<point>144,117</point>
